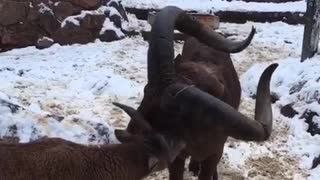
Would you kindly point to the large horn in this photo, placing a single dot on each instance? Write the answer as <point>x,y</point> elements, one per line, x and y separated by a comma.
<point>161,71</point>
<point>161,52</point>
<point>135,116</point>
<point>194,102</point>
<point>204,34</point>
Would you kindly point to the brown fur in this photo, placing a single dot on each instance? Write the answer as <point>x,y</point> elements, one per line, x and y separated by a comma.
<point>211,71</point>
<point>55,158</point>
<point>206,114</point>
<point>60,159</point>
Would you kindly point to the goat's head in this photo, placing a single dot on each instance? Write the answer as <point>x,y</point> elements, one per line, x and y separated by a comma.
<point>163,91</point>
<point>161,152</point>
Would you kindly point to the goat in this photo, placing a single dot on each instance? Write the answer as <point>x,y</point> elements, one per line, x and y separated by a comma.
<point>195,98</point>
<point>55,158</point>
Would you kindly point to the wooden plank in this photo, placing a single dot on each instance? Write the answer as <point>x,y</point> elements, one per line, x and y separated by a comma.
<point>311,30</point>
<point>238,17</point>
<point>267,1</point>
<point>206,19</point>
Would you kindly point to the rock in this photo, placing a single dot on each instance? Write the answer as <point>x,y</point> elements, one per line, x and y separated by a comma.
<point>87,4</point>
<point>64,9</point>
<point>22,23</point>
<point>33,14</point>
<point>44,42</point>
<point>108,36</point>
<point>20,35</point>
<point>315,162</point>
<point>12,12</point>
<point>116,19</point>
<point>313,128</point>
<point>93,21</point>
<point>118,6</point>
<point>274,97</point>
<point>71,34</point>
<point>48,22</point>
<point>297,87</point>
<point>288,111</point>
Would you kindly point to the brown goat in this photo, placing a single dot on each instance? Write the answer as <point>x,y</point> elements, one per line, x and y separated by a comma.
<point>195,98</point>
<point>55,158</point>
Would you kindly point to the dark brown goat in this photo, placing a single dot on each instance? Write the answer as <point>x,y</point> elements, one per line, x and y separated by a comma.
<point>55,158</point>
<point>196,98</point>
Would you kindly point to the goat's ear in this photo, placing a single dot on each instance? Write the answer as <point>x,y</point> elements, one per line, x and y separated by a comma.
<point>123,136</point>
<point>153,163</point>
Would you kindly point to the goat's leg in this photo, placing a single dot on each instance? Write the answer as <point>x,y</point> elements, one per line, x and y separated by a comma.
<point>176,169</point>
<point>194,167</point>
<point>209,169</point>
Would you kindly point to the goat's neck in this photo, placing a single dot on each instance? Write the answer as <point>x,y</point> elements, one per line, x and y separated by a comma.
<point>133,158</point>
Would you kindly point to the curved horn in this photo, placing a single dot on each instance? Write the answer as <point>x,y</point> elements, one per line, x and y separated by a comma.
<point>194,102</point>
<point>134,115</point>
<point>161,52</point>
<point>161,71</point>
<point>193,27</point>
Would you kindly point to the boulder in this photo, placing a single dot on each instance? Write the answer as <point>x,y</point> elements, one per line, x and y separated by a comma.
<point>22,23</point>
<point>118,6</point>
<point>71,34</point>
<point>93,21</point>
<point>44,42</point>
<point>86,4</point>
<point>109,35</point>
<point>313,128</point>
<point>64,9</point>
<point>288,111</point>
<point>48,22</point>
<point>20,35</point>
<point>12,12</point>
<point>116,19</point>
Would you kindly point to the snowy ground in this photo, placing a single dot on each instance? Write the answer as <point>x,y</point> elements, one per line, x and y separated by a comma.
<point>79,82</point>
<point>218,5</point>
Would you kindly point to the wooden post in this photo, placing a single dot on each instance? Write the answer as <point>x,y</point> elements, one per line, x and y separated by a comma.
<point>311,29</point>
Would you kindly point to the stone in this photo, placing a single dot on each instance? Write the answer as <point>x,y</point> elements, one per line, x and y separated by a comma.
<point>44,42</point>
<point>63,9</point>
<point>86,4</point>
<point>297,87</point>
<point>288,111</point>
<point>23,22</point>
<point>118,6</point>
<point>20,35</point>
<point>108,36</point>
<point>71,34</point>
<point>313,128</point>
<point>48,22</point>
<point>116,19</point>
<point>12,12</point>
<point>92,21</point>
<point>315,162</point>
<point>274,97</point>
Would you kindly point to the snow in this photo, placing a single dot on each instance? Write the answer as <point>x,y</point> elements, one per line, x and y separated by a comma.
<point>218,5</point>
<point>288,74</point>
<point>79,82</point>
<point>44,8</point>
<point>108,25</point>
<point>74,82</point>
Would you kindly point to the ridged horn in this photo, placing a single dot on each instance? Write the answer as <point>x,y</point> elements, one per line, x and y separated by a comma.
<point>195,102</point>
<point>208,36</point>
<point>135,116</point>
